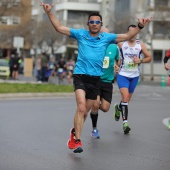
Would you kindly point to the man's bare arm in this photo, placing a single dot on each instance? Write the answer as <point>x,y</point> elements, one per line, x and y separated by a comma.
<point>142,22</point>
<point>146,53</point>
<point>55,22</point>
<point>147,56</point>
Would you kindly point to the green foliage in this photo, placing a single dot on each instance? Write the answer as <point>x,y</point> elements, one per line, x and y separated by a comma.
<point>34,88</point>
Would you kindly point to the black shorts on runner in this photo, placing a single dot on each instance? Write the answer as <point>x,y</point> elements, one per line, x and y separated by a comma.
<point>105,91</point>
<point>90,84</point>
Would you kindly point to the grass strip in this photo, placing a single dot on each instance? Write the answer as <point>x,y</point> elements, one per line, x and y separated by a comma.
<point>33,88</point>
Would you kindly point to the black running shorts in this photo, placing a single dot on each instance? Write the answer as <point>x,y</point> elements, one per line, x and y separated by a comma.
<point>105,91</point>
<point>90,84</point>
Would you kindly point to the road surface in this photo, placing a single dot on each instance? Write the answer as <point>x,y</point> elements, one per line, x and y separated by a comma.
<point>34,133</point>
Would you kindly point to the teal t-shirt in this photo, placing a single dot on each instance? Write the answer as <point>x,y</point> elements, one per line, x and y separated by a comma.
<point>112,54</point>
<point>91,51</point>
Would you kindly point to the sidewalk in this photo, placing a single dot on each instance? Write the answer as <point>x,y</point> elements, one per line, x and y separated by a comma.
<point>34,95</point>
<point>23,79</point>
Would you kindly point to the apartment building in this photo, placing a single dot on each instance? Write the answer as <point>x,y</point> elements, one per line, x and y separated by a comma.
<point>159,31</point>
<point>156,35</point>
<point>14,20</point>
<point>74,13</point>
<point>37,13</point>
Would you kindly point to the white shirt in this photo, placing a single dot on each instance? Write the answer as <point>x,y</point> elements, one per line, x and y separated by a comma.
<point>128,68</point>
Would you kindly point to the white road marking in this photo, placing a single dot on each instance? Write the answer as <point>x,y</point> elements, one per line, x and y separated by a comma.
<point>165,121</point>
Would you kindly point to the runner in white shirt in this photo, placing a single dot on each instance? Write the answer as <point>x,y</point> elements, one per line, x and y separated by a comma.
<point>131,53</point>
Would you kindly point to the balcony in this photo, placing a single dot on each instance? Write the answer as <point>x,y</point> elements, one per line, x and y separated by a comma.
<point>76,5</point>
<point>79,1</point>
<point>160,36</point>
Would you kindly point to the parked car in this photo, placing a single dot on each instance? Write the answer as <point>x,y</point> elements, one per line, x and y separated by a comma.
<point>4,69</point>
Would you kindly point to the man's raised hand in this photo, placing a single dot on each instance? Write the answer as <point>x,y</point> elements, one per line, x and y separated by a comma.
<point>144,21</point>
<point>47,7</point>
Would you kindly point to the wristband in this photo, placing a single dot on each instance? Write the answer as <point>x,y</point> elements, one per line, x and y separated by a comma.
<point>165,60</point>
<point>140,27</point>
<point>141,60</point>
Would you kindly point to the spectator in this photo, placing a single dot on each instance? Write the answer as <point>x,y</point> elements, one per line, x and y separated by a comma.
<point>38,67</point>
<point>166,58</point>
<point>44,63</point>
<point>70,67</point>
<point>15,67</point>
<point>11,65</point>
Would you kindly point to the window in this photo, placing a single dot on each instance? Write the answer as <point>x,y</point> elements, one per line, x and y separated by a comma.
<point>16,2</point>
<point>92,1</point>
<point>124,7</point>
<point>9,3</point>
<point>7,20</point>
<point>151,3</point>
<point>157,56</point>
<point>161,29</point>
<point>4,4</point>
<point>161,3</point>
<point>78,16</point>
<point>32,2</point>
<point>15,20</point>
<point>72,0</point>
<point>4,20</point>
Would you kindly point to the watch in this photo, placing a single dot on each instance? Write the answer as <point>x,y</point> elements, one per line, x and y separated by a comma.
<point>141,60</point>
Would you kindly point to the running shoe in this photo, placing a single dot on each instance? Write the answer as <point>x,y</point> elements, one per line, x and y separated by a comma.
<point>117,113</point>
<point>95,134</point>
<point>71,141</point>
<point>75,145</point>
<point>78,146</point>
<point>126,128</point>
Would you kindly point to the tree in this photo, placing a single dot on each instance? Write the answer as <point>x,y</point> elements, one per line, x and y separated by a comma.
<point>44,32</point>
<point>10,24</point>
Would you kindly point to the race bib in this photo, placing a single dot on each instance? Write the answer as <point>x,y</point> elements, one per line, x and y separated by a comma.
<point>106,62</point>
<point>70,67</point>
<point>60,70</point>
<point>51,66</point>
<point>130,65</point>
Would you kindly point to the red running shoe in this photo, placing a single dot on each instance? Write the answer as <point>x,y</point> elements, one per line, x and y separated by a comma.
<point>71,141</point>
<point>78,146</point>
<point>74,144</point>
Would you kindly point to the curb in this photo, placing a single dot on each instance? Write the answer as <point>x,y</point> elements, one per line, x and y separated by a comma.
<point>39,95</point>
<point>34,95</point>
<point>64,94</point>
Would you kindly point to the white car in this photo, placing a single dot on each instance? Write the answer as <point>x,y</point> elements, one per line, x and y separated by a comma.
<point>4,69</point>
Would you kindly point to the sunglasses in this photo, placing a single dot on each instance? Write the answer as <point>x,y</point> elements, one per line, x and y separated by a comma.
<point>94,22</point>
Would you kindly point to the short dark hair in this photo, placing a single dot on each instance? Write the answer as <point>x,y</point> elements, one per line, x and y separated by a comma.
<point>95,14</point>
<point>133,26</point>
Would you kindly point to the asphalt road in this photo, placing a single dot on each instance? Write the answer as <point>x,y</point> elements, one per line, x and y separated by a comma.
<point>34,132</point>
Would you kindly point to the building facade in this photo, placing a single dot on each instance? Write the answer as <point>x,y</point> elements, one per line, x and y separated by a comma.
<point>15,18</point>
<point>74,14</point>
<point>156,35</point>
